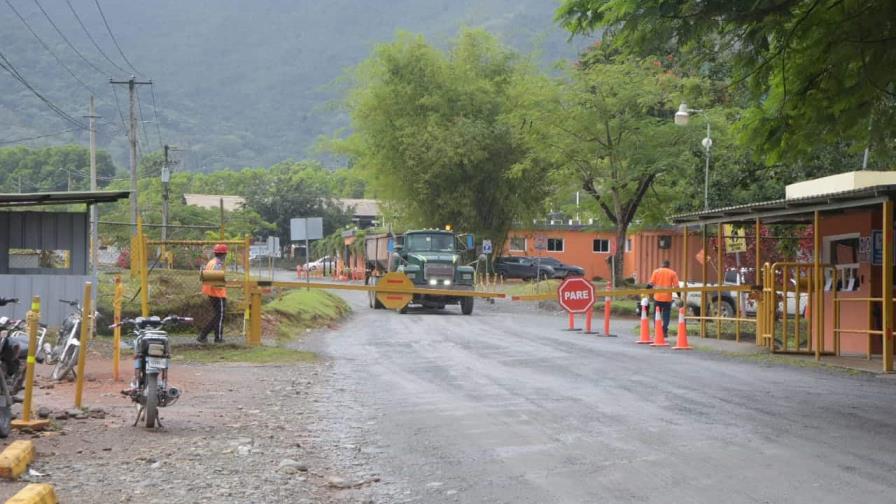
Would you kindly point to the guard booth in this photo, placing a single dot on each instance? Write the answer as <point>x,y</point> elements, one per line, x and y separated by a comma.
<point>845,289</point>
<point>45,252</point>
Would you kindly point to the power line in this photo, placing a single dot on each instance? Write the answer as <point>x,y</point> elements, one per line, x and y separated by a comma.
<point>114,40</point>
<point>9,67</point>
<point>17,140</point>
<point>117,106</point>
<point>39,6</point>
<point>155,113</point>
<point>47,47</point>
<point>89,36</point>
<point>142,123</point>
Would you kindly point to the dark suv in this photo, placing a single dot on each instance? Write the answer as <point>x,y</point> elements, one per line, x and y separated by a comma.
<point>561,270</point>
<point>523,267</point>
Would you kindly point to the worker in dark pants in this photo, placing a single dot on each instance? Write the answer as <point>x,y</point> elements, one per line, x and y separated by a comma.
<point>217,297</point>
<point>664,278</point>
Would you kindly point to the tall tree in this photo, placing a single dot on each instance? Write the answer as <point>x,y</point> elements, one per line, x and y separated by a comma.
<point>608,127</point>
<point>431,129</point>
<point>819,72</point>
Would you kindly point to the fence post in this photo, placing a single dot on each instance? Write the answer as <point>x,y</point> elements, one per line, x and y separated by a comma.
<point>86,326</point>
<point>143,265</point>
<point>33,319</point>
<point>255,317</point>
<point>116,333</point>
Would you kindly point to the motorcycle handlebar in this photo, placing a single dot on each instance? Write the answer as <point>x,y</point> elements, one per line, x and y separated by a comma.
<point>70,303</point>
<point>171,319</point>
<point>6,301</point>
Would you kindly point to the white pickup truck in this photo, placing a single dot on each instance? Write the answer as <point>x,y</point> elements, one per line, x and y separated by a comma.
<point>748,306</point>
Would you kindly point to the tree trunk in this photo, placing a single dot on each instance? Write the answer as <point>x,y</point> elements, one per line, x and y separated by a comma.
<point>618,265</point>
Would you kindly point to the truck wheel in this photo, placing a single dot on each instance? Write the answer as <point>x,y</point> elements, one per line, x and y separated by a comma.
<point>725,308</point>
<point>466,305</point>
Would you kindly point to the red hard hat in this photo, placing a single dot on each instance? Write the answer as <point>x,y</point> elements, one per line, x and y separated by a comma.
<point>220,248</point>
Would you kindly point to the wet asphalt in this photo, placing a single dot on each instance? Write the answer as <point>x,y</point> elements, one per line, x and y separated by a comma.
<point>505,407</point>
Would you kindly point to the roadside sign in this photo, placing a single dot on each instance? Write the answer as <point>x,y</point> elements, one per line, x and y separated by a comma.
<point>391,300</point>
<point>576,295</point>
<point>735,239</point>
<point>486,246</point>
<point>256,251</point>
<point>306,228</point>
<point>274,246</point>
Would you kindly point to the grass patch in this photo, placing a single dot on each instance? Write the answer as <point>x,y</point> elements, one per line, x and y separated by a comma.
<point>531,288</point>
<point>229,353</point>
<point>300,309</point>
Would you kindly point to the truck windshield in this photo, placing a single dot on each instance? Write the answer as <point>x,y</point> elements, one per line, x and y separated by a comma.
<point>429,242</point>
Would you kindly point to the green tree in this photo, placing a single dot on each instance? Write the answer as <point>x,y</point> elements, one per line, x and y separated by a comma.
<point>607,127</point>
<point>818,72</point>
<point>430,128</point>
<point>51,169</point>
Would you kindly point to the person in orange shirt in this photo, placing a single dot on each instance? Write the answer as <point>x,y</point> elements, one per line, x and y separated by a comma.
<point>217,296</point>
<point>664,278</point>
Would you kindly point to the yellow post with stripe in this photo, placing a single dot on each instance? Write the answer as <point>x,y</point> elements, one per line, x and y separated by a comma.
<point>86,325</point>
<point>26,421</point>
<point>116,333</point>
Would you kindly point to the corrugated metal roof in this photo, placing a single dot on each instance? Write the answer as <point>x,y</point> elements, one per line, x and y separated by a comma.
<point>362,207</point>
<point>844,199</point>
<point>61,198</point>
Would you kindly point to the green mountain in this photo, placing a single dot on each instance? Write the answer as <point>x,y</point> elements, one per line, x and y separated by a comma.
<point>236,83</point>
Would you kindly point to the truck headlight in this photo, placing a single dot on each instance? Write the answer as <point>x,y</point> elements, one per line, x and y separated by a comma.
<point>447,282</point>
<point>433,282</point>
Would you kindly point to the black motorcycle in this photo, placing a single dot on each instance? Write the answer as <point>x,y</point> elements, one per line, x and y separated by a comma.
<point>14,337</point>
<point>13,352</point>
<point>150,389</point>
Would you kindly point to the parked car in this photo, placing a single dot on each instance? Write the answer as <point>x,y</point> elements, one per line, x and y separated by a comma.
<point>523,267</point>
<point>560,270</point>
<point>327,262</point>
<point>748,304</point>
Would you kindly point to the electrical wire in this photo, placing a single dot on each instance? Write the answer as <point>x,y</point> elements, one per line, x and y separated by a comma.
<point>89,36</point>
<point>47,47</point>
<point>11,69</point>
<point>142,125</point>
<point>155,114</point>
<point>48,135</point>
<point>114,40</point>
<point>118,107</point>
<point>39,6</point>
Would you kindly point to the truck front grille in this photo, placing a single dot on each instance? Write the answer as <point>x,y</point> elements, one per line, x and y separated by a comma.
<point>438,271</point>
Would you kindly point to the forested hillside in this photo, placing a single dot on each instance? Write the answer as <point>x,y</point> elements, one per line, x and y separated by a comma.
<point>235,83</point>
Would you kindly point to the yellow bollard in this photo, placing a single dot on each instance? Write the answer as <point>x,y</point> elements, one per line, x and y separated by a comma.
<point>144,269</point>
<point>33,319</point>
<point>255,317</point>
<point>86,325</point>
<point>116,333</point>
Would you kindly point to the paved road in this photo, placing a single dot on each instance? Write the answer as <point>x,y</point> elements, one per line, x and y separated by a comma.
<point>504,407</point>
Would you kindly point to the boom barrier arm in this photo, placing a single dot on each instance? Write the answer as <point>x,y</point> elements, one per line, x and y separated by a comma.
<point>645,292</point>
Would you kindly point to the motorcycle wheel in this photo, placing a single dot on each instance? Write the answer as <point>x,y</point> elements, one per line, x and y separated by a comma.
<point>152,400</point>
<point>18,380</point>
<point>5,411</point>
<point>65,364</point>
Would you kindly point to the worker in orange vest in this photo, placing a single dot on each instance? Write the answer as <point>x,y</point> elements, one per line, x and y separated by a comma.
<point>217,296</point>
<point>664,278</point>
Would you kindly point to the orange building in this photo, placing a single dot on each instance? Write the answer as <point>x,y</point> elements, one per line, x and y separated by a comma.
<point>644,250</point>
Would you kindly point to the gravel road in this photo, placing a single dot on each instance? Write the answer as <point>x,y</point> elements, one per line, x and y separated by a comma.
<point>503,406</point>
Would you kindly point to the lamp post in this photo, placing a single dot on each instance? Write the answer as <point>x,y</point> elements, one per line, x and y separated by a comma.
<point>681,119</point>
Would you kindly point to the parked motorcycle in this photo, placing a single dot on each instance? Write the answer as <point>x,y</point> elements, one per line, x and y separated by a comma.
<point>68,344</point>
<point>14,348</point>
<point>9,358</point>
<point>150,389</point>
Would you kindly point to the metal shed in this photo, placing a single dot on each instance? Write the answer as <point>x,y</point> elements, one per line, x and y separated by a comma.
<point>46,253</point>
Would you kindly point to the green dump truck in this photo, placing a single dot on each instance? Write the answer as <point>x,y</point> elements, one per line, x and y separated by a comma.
<point>431,258</point>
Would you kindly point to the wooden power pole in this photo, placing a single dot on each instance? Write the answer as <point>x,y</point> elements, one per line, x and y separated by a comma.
<point>132,138</point>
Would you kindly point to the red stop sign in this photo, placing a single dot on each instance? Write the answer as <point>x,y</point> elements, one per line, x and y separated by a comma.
<point>576,295</point>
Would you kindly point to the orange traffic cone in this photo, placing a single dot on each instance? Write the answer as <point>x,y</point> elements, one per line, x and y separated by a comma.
<point>659,339</point>
<point>645,327</point>
<point>681,343</point>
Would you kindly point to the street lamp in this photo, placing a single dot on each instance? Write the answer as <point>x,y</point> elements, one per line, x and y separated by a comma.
<point>681,119</point>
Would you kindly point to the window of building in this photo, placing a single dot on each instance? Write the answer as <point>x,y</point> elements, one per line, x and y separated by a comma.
<point>555,244</point>
<point>517,244</point>
<point>601,246</point>
<point>34,259</point>
<point>628,244</point>
<point>665,242</point>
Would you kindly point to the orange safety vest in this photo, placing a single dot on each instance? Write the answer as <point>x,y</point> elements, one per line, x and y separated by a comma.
<point>211,290</point>
<point>664,278</point>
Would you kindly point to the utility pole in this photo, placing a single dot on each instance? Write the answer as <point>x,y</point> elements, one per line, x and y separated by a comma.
<point>94,213</point>
<point>132,138</point>
<point>166,178</point>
